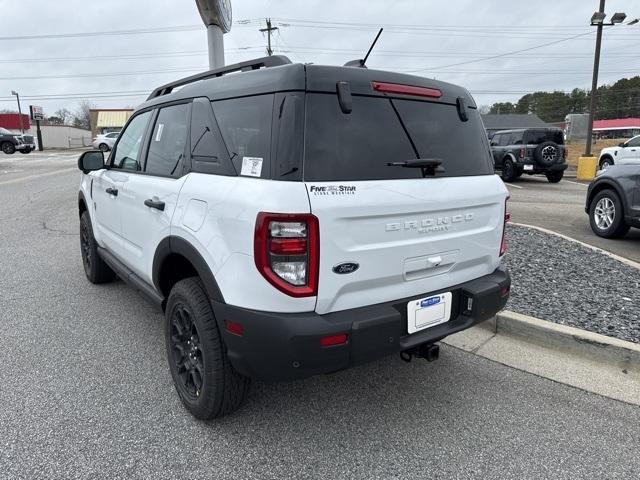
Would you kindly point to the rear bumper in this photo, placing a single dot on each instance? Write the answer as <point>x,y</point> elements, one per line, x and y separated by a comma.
<point>539,169</point>
<point>280,346</point>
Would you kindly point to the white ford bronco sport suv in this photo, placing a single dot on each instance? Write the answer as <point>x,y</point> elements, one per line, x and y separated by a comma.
<point>293,220</point>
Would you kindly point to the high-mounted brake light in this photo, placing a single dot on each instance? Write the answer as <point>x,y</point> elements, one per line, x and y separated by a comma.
<point>287,252</point>
<point>507,217</point>
<point>406,89</point>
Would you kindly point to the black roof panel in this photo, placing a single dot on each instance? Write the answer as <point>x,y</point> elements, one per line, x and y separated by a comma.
<point>296,76</point>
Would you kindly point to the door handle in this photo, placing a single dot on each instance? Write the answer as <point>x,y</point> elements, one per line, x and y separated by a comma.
<point>151,203</point>
<point>112,191</point>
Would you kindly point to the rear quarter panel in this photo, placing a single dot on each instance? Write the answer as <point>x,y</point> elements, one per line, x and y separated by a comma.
<point>217,216</point>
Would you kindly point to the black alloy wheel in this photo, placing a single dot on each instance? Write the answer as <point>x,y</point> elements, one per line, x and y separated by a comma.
<point>509,172</point>
<point>186,352</point>
<point>8,148</point>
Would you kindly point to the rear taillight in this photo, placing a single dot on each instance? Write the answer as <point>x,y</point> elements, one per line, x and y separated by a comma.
<point>287,252</point>
<point>507,217</point>
<point>523,151</point>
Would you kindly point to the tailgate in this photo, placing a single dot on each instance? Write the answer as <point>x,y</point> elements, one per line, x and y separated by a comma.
<point>408,237</point>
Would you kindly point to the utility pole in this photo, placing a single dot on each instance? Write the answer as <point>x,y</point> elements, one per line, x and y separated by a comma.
<point>594,82</point>
<point>269,29</point>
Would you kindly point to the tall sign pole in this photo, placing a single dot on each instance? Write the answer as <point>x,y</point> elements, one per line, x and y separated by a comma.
<point>37,114</point>
<point>216,15</point>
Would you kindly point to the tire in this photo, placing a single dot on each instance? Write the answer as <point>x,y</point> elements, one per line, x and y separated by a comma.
<point>96,270</point>
<point>206,382</point>
<point>603,224</point>
<point>103,147</point>
<point>26,150</point>
<point>555,177</point>
<point>546,154</point>
<point>606,162</point>
<point>8,148</point>
<point>508,171</point>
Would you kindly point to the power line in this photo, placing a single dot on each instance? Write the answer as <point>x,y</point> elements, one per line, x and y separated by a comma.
<point>189,53</point>
<point>138,31</point>
<point>492,57</point>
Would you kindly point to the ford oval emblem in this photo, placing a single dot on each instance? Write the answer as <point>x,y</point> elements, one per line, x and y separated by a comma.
<point>344,268</point>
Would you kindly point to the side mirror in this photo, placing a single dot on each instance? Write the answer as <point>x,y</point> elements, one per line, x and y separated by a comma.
<point>493,144</point>
<point>91,161</point>
<point>621,144</point>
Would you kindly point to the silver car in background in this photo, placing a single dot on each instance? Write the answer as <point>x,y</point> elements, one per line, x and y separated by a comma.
<point>105,141</point>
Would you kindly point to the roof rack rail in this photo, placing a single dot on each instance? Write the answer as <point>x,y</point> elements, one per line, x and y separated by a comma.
<point>264,62</point>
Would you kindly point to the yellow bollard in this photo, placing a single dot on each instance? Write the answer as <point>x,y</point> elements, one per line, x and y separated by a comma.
<point>587,168</point>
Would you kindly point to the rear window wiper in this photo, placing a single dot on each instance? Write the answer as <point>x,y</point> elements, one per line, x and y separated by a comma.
<point>428,166</point>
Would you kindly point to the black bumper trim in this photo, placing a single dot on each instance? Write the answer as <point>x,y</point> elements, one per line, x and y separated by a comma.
<point>281,346</point>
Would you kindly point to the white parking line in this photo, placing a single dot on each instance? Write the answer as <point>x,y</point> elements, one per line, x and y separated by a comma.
<point>577,183</point>
<point>39,175</point>
<point>511,185</point>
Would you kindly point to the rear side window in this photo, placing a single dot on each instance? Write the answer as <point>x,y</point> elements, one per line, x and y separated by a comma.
<point>536,137</point>
<point>505,139</point>
<point>168,140</point>
<point>245,124</point>
<point>208,152</point>
<point>358,146</point>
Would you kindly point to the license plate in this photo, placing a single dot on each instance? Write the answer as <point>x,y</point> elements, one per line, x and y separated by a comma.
<point>528,167</point>
<point>428,312</point>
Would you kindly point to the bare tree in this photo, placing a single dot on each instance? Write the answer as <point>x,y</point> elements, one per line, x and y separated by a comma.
<point>64,115</point>
<point>81,117</point>
<point>484,109</point>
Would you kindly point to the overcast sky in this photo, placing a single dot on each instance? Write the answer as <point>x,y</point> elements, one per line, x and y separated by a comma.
<point>447,40</point>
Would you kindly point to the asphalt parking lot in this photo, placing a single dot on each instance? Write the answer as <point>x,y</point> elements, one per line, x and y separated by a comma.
<point>560,207</point>
<point>85,390</point>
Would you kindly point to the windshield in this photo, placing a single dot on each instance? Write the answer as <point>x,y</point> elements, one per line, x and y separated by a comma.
<point>359,145</point>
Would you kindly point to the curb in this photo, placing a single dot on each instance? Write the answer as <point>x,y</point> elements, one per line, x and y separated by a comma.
<point>592,346</point>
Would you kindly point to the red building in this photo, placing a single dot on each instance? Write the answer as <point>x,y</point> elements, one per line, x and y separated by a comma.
<point>617,128</point>
<point>11,121</point>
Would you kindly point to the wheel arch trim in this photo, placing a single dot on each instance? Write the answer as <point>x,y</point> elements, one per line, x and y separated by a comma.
<point>177,245</point>
<point>611,185</point>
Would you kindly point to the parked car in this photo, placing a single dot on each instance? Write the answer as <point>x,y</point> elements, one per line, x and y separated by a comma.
<point>613,201</point>
<point>105,141</point>
<point>530,151</point>
<point>294,220</point>
<point>626,153</point>
<point>10,142</point>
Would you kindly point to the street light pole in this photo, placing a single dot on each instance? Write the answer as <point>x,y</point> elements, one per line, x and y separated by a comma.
<point>594,82</point>
<point>216,15</point>
<point>13,92</point>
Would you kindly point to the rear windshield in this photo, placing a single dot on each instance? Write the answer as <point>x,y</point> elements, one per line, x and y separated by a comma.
<point>358,145</point>
<point>536,137</point>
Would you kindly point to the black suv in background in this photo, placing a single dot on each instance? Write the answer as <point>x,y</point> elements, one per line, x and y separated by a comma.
<point>530,151</point>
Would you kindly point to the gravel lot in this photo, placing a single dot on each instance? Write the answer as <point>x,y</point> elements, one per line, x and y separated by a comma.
<point>566,283</point>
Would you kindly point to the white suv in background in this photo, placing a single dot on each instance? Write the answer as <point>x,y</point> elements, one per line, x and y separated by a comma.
<point>293,220</point>
<point>626,153</point>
